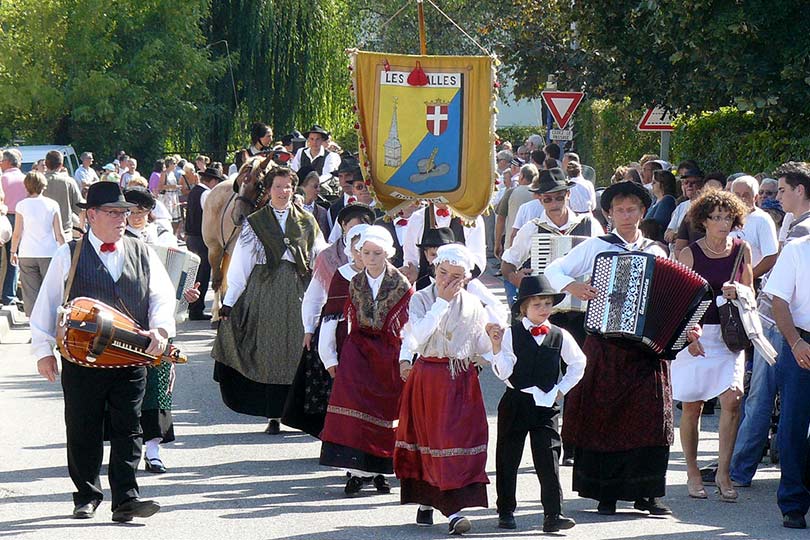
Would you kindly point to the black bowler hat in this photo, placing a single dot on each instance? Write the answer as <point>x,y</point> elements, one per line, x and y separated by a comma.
<point>354,210</point>
<point>290,137</point>
<point>317,129</point>
<point>551,181</point>
<point>625,188</point>
<point>535,286</point>
<point>105,194</point>
<point>440,236</point>
<point>140,197</point>
<point>213,172</point>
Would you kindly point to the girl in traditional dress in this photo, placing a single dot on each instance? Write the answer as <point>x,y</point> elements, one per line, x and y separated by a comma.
<point>358,434</point>
<point>441,447</point>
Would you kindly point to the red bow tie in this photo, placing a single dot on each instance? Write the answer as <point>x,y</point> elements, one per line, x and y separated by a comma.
<point>443,212</point>
<point>107,247</point>
<point>402,222</point>
<point>351,200</point>
<point>539,330</point>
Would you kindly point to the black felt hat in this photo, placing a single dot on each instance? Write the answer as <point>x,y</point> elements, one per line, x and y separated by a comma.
<point>551,181</point>
<point>535,286</point>
<point>356,209</point>
<point>140,197</point>
<point>105,194</point>
<point>317,129</point>
<point>440,236</point>
<point>213,172</point>
<point>625,188</point>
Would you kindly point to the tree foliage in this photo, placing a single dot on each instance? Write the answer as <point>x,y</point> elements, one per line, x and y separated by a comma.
<point>102,75</point>
<point>691,55</point>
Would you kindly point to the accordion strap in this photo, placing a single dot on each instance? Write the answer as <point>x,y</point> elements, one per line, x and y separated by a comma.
<point>77,249</point>
<point>737,261</point>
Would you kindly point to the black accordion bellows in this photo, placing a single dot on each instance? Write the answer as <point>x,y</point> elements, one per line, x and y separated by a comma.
<point>647,300</point>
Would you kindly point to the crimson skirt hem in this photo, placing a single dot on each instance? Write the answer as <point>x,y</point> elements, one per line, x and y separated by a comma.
<point>447,502</point>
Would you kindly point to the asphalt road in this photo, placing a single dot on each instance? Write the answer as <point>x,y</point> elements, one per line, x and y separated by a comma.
<point>227,479</point>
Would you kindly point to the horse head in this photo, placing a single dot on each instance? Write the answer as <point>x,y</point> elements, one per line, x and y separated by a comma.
<point>251,187</point>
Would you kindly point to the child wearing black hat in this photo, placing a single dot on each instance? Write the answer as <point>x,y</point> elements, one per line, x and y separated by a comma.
<point>527,358</point>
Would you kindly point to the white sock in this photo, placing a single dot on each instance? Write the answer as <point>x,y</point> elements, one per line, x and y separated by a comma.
<point>424,507</point>
<point>153,448</point>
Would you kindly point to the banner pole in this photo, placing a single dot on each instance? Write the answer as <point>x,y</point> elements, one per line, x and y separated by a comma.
<point>422,34</point>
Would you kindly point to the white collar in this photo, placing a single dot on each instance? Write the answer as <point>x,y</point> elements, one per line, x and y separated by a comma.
<point>527,324</point>
<point>573,219</point>
<point>96,242</point>
<point>376,280</point>
<point>347,271</point>
<point>313,158</point>
<point>628,242</point>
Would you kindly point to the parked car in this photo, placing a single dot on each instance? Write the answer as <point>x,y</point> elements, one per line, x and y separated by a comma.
<point>32,154</point>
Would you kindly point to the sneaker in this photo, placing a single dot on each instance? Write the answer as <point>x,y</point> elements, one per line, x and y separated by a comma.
<point>424,518</point>
<point>353,485</point>
<point>557,523</point>
<point>506,520</point>
<point>382,484</point>
<point>459,525</point>
<point>653,506</point>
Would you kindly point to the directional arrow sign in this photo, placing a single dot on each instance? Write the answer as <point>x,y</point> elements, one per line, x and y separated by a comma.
<point>656,119</point>
<point>562,105</point>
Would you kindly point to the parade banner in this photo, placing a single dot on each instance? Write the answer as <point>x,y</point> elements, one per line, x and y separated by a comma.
<point>426,128</point>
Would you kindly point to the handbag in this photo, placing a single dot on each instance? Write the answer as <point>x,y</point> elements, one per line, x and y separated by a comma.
<point>5,230</point>
<point>731,326</point>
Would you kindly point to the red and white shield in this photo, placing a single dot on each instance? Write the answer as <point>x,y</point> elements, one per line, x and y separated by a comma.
<point>437,119</point>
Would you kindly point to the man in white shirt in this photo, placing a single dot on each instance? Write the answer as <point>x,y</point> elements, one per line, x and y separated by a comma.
<point>85,175</point>
<point>583,194</point>
<point>110,268</point>
<point>315,155</point>
<point>691,184</point>
<point>507,208</point>
<point>759,229</point>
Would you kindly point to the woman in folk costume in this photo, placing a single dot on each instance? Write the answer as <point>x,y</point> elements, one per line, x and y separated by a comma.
<point>258,347</point>
<point>309,395</point>
<point>358,434</point>
<point>441,448</point>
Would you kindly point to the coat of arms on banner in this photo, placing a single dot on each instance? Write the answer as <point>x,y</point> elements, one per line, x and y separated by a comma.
<point>426,128</point>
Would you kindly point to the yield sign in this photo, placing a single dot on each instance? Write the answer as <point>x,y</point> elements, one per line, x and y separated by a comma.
<point>562,105</point>
<point>656,119</point>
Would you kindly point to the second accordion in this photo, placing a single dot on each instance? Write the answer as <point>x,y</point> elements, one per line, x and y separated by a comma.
<point>645,299</point>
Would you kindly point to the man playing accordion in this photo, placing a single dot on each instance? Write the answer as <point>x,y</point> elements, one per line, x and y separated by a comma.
<point>619,417</point>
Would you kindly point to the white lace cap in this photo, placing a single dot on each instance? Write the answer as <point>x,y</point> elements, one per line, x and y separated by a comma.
<point>354,232</point>
<point>380,236</point>
<point>456,255</point>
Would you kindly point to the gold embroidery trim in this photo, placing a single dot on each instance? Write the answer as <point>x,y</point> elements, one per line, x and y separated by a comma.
<point>443,452</point>
<point>362,416</point>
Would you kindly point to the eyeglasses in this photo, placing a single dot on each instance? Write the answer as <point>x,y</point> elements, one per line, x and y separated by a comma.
<point>549,200</point>
<point>116,213</point>
<point>691,182</point>
<point>721,219</point>
<point>766,193</point>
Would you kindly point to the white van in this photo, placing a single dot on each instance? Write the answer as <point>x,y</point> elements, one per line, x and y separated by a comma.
<point>32,154</point>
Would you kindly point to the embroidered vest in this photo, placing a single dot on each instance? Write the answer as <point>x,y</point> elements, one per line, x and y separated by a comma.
<point>537,365</point>
<point>299,237</point>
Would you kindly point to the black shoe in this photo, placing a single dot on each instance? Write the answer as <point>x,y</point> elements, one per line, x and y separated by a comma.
<point>424,518</point>
<point>382,484</point>
<point>353,485</point>
<point>506,520</point>
<point>459,525</point>
<point>707,474</point>
<point>135,508</point>
<point>154,466</point>
<point>794,520</point>
<point>84,511</point>
<point>606,508</point>
<point>653,506</point>
<point>557,523</point>
<point>199,316</point>
<point>273,427</point>
<point>568,462</point>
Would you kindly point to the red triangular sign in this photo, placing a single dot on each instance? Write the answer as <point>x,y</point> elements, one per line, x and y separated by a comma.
<point>562,105</point>
<point>656,119</point>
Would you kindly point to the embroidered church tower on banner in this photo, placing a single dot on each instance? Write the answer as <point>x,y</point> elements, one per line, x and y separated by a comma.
<point>393,147</point>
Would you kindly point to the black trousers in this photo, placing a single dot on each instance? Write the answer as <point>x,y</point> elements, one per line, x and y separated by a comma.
<point>196,245</point>
<point>88,393</point>
<point>517,417</point>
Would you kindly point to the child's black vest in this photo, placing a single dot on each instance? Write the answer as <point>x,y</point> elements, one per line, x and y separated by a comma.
<point>537,365</point>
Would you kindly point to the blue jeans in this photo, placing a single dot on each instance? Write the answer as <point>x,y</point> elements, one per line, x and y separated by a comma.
<point>511,291</point>
<point>12,273</point>
<point>794,419</point>
<point>753,432</point>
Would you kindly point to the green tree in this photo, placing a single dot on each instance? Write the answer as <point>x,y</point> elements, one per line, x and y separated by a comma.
<point>102,76</point>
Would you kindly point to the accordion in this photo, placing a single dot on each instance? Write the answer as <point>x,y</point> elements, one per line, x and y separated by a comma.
<point>645,299</point>
<point>547,248</point>
<point>181,266</point>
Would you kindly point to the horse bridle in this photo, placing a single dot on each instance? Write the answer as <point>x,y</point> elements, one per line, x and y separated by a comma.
<point>261,192</point>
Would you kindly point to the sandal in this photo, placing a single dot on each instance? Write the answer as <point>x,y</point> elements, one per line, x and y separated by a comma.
<point>154,465</point>
<point>728,494</point>
<point>694,486</point>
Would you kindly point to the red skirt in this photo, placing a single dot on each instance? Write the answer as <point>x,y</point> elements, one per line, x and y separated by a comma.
<point>441,448</point>
<point>364,403</point>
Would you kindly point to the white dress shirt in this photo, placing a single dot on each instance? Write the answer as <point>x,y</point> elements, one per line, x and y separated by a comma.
<point>527,212</point>
<point>678,214</point>
<point>504,362</point>
<point>583,195</point>
<point>787,280</point>
<point>759,231</point>
<point>474,238</point>
<point>579,261</point>
<point>521,247</point>
<point>249,251</point>
<point>330,164</point>
<point>43,318</point>
<point>327,338</point>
